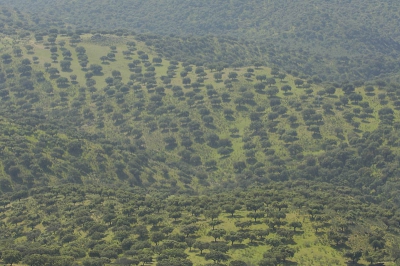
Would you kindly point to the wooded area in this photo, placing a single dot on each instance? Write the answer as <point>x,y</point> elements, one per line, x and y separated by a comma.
<point>135,148</point>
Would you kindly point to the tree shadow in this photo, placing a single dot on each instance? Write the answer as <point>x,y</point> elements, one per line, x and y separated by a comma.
<point>200,140</point>
<point>26,74</point>
<point>333,96</point>
<point>242,108</point>
<point>212,169</point>
<point>63,86</point>
<point>155,228</point>
<point>329,112</point>
<point>340,136</point>
<point>119,122</point>
<point>350,263</point>
<point>251,161</point>
<point>170,147</point>
<point>238,246</point>
<point>122,175</point>
<point>340,247</point>
<point>299,232</point>
<point>316,136</point>
<point>210,126</point>
<point>290,263</point>
<point>254,244</point>
<point>251,103</point>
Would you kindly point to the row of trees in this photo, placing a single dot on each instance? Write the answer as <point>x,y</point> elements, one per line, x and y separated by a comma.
<point>129,227</point>
<point>182,128</point>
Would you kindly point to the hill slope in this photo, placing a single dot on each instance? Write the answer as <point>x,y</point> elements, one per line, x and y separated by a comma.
<point>112,153</point>
<point>297,223</point>
<point>116,108</point>
<point>349,39</point>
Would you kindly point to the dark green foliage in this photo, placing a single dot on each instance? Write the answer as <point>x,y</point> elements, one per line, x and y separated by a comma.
<point>156,161</point>
<point>308,45</point>
<point>11,256</point>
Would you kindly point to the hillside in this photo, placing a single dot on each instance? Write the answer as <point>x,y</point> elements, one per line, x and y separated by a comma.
<point>108,141</point>
<point>297,223</point>
<point>336,40</point>
<point>229,121</point>
<point>107,109</point>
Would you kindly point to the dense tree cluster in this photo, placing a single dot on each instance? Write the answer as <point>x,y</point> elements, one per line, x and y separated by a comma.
<point>126,155</point>
<point>188,119</point>
<point>133,226</point>
<point>349,43</point>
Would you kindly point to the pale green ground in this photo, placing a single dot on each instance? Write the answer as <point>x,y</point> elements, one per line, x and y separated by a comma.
<point>5,42</point>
